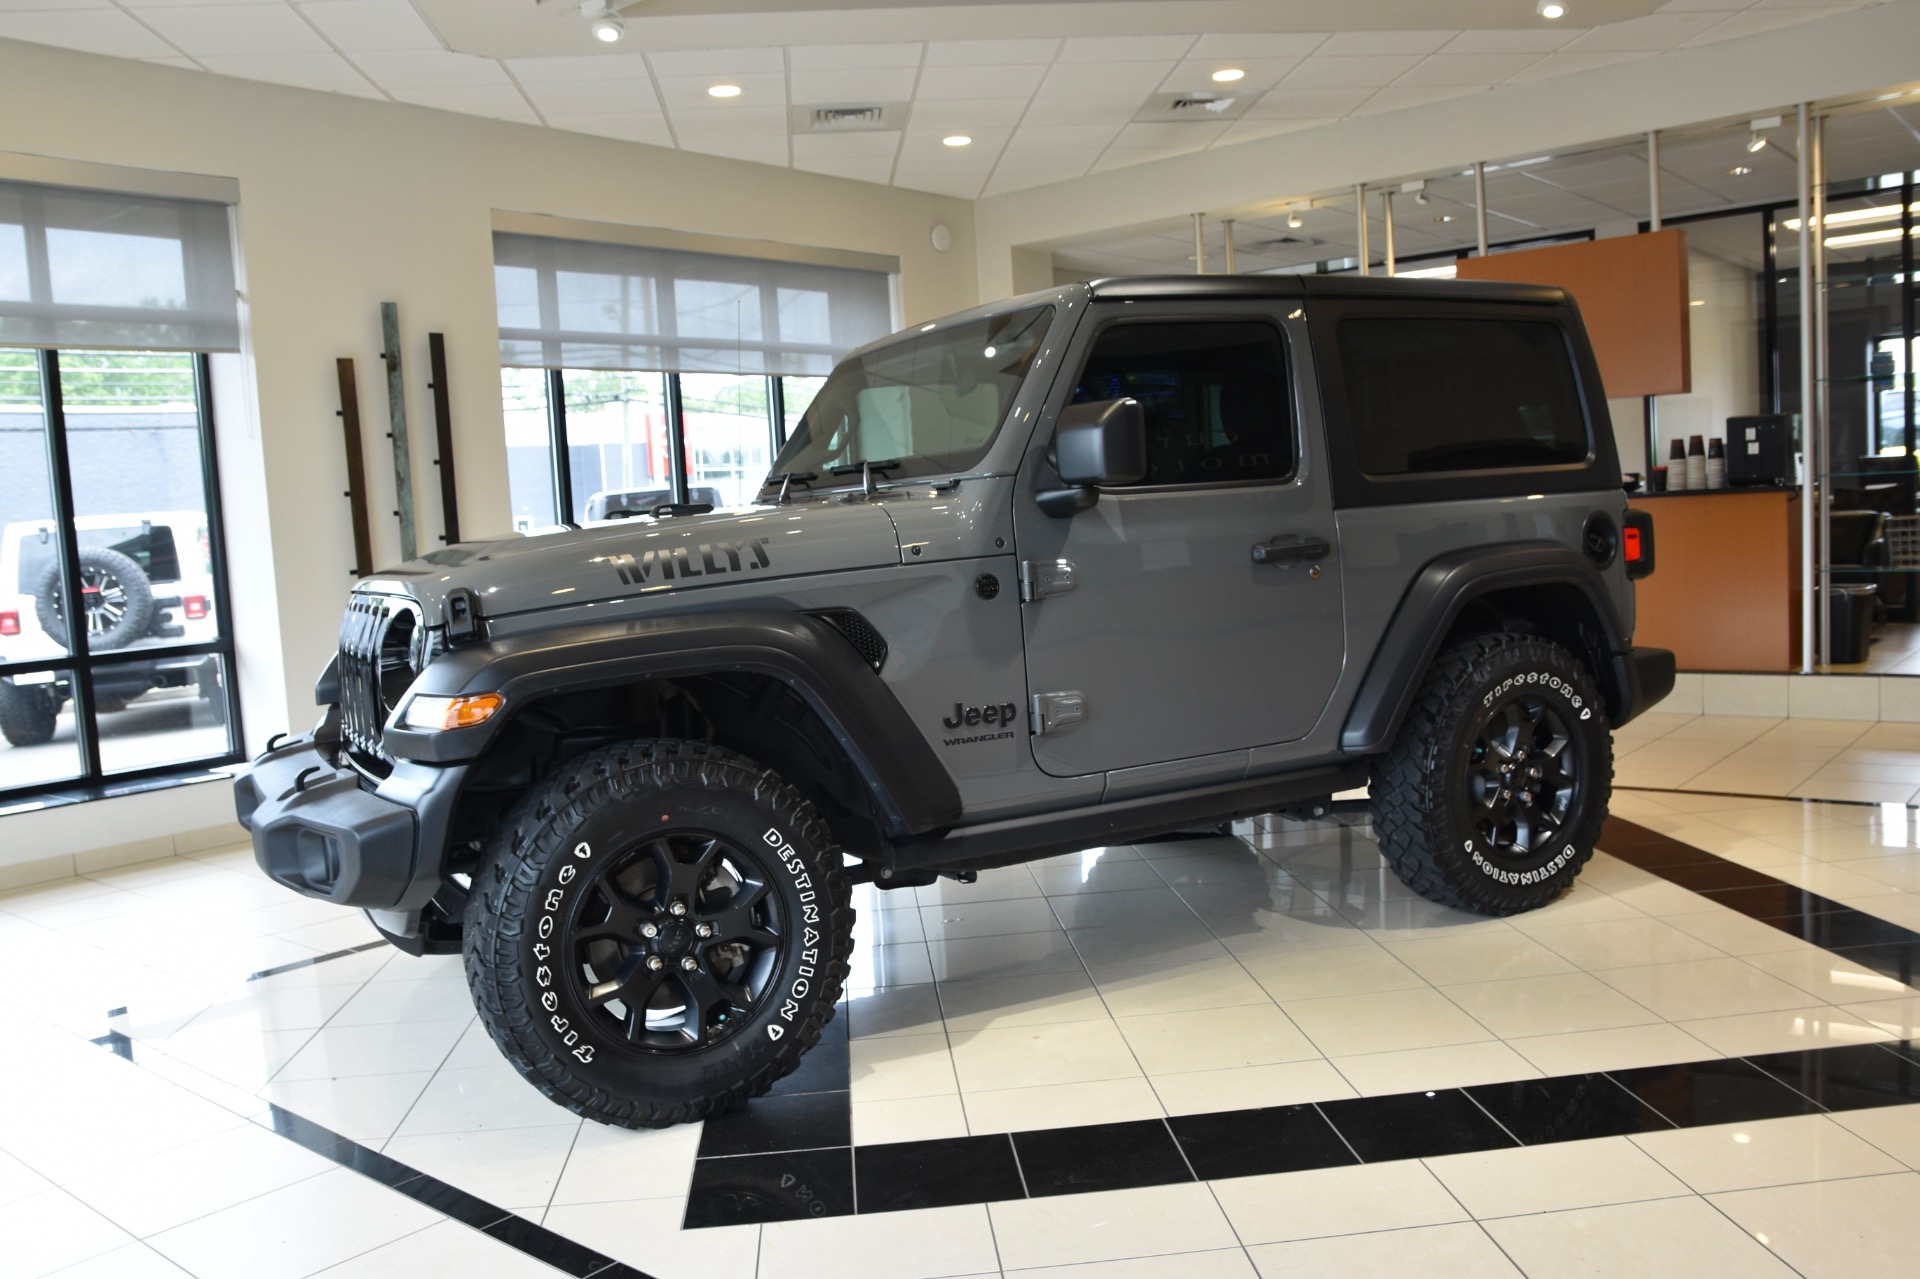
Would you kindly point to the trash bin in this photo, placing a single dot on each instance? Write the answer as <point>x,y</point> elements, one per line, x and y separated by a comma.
<point>1851,611</point>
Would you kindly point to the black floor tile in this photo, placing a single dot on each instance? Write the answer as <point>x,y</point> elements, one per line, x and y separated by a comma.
<point>1064,1161</point>
<point>936,1174</point>
<point>805,1121</point>
<point>1848,1078</point>
<point>558,1251</point>
<point>373,1164</point>
<point>1247,1143</point>
<point>321,1141</point>
<point>1774,900</point>
<point>1414,1125</point>
<point>825,1068</point>
<point>1717,877</point>
<point>1898,960</point>
<point>453,1202</point>
<point>1908,1048</point>
<point>784,1187</point>
<point>1713,1092</point>
<point>1649,849</point>
<point>1567,1108</point>
<point>1846,928</point>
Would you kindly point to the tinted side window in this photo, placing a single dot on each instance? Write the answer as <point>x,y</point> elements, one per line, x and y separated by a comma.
<point>1460,395</point>
<point>1215,395</point>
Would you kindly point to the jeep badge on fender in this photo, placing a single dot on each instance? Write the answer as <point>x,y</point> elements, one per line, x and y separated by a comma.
<point>631,771</point>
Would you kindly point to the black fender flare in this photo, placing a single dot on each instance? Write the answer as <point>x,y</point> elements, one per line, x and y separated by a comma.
<point>1433,603</point>
<point>911,788</point>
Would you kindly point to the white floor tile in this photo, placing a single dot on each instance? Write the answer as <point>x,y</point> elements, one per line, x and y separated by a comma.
<point>1221,1263</point>
<point>1335,1201</point>
<point>1136,990</point>
<point>295,1230</point>
<point>1589,1050</point>
<point>1449,1066</point>
<point>146,1196</point>
<point>1446,961</point>
<point>900,1066</point>
<point>1894,1129</point>
<point>1107,1226</point>
<point>1830,977</point>
<point>894,1010</point>
<point>1343,970</point>
<point>468,1100</point>
<point>1625,943</point>
<point>646,1235</point>
<point>366,1108</point>
<point>926,1244</point>
<point>17,1181</point>
<point>501,1165</point>
<point>1026,1000</point>
<point>1693,988</point>
<point>1554,1005</point>
<point>1767,1153</point>
<point>1854,1229</point>
<point>1384,1022</point>
<point>1554,1177</point>
<point>1462,1249</point>
<point>446,1249</point>
<point>908,1119</point>
<point>50,1230</point>
<point>1656,1239</point>
<point>608,1163</point>
<point>130,1261</point>
<point>1251,1087</point>
<point>1789,1030</point>
<point>1029,1056</point>
<point>1214,1039</point>
<point>1063,1105</point>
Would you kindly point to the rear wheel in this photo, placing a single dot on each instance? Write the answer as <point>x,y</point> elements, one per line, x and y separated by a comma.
<point>27,713</point>
<point>658,933</point>
<point>116,600</point>
<point>1492,796</point>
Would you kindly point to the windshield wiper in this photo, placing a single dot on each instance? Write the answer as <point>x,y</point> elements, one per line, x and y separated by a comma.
<point>786,480</point>
<point>865,471</point>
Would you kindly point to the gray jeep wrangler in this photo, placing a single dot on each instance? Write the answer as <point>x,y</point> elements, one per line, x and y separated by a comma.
<point>1084,567</point>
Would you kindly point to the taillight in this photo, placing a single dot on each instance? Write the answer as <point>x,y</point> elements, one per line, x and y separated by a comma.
<point>1633,545</point>
<point>1637,544</point>
<point>9,623</point>
<point>196,607</point>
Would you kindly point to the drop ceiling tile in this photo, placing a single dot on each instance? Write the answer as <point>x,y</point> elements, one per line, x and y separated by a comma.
<point>328,72</point>
<point>579,66</point>
<point>430,69</point>
<point>1127,157</point>
<point>1559,64</point>
<point>1035,169</point>
<point>183,64</point>
<point>497,101</point>
<point>358,26</point>
<point>924,146</point>
<point>1320,72</point>
<point>1063,137</point>
<point>984,113</point>
<point>174,4</point>
<point>1197,74</point>
<point>235,29</point>
<point>962,186</point>
<point>1093,110</point>
<point>592,97</point>
<point>759,150</point>
<point>1295,44</point>
<point>1308,104</point>
<point>1754,21</point>
<point>1103,79</point>
<point>1652,34</point>
<point>11,6</point>
<point>851,57</point>
<point>1125,48</point>
<point>1246,130</point>
<point>741,122</point>
<point>1477,69</point>
<point>860,168</point>
<point>1696,6</point>
<point>628,127</point>
<point>809,148</point>
<point>1186,135</point>
<point>1371,43</point>
<point>93,30</point>
<point>689,93</point>
<point>724,63</point>
<point>879,84</point>
<point>984,81</point>
<point>1402,98</point>
<point>1544,40</point>
<point>991,53</point>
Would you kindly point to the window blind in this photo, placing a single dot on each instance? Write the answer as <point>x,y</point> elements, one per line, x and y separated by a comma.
<point>582,305</point>
<point>101,269</point>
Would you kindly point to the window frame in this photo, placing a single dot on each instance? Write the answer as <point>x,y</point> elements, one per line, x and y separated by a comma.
<point>82,665</point>
<point>1179,314</point>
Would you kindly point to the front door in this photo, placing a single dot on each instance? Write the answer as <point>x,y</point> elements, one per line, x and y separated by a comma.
<point>1178,641</point>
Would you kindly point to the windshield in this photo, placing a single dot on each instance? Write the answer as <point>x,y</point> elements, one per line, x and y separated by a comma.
<point>925,405</point>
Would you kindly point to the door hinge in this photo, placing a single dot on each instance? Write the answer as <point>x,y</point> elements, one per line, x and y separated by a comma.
<point>1055,711</point>
<point>1041,578</point>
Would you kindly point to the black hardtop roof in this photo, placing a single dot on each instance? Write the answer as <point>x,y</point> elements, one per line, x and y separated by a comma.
<point>1157,287</point>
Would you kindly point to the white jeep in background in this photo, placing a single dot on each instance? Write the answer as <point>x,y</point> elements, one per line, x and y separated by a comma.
<point>146,582</point>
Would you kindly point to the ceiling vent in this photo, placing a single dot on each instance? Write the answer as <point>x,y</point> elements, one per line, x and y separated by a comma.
<point>861,117</point>
<point>1172,108</point>
<point>1289,242</point>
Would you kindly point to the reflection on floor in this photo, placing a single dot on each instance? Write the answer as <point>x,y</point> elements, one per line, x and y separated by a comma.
<point>1895,651</point>
<point>1680,1067</point>
<point>1849,759</point>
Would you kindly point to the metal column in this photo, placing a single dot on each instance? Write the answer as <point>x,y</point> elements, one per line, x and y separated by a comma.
<point>1386,223</point>
<point>1804,179</point>
<point>1360,213</point>
<point>1199,244</point>
<point>1823,432</point>
<point>1480,202</point>
<point>1226,229</point>
<point>1653,179</point>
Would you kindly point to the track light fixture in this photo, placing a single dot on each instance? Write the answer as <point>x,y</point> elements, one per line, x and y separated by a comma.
<point>1295,221</point>
<point>606,25</point>
<point>1756,143</point>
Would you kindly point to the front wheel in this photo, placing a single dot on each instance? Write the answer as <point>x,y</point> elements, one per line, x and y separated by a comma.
<point>1496,788</point>
<point>658,933</point>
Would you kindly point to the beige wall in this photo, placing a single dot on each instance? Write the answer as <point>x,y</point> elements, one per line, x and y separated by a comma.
<point>346,203</point>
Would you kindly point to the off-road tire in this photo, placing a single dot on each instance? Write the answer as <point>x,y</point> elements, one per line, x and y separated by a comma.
<point>1425,814</point>
<point>615,803</point>
<point>114,571</point>
<point>26,714</point>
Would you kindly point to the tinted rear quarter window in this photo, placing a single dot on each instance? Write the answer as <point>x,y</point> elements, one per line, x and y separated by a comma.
<point>1428,395</point>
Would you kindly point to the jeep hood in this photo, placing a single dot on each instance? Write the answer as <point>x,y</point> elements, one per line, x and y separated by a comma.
<point>645,557</point>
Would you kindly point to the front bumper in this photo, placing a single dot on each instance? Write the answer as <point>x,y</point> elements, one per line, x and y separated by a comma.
<point>1648,678</point>
<point>321,830</point>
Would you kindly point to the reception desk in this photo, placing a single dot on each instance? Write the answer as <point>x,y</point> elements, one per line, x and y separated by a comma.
<point>1725,590</point>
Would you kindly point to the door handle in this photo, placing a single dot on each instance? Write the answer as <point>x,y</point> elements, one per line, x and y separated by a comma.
<point>1291,550</point>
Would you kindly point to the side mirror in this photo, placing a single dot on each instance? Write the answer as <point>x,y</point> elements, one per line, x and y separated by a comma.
<point>1101,442</point>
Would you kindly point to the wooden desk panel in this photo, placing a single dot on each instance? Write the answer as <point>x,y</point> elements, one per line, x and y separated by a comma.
<point>1725,590</point>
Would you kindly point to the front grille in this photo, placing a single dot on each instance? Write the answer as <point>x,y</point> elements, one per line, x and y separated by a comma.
<point>379,657</point>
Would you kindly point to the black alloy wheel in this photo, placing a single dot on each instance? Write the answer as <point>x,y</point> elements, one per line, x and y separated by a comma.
<point>675,942</point>
<point>116,600</point>
<point>1522,775</point>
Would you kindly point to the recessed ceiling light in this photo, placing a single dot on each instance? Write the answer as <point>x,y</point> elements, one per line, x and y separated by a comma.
<point>1444,217</point>
<point>724,91</point>
<point>608,28</point>
<point>1738,171</point>
<point>1228,75</point>
<point>1551,9</point>
<point>956,140</point>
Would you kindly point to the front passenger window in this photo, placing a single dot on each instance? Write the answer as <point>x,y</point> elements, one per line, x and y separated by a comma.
<point>1214,392</point>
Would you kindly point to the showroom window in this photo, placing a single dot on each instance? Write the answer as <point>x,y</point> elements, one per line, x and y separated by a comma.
<point>1215,396</point>
<point>633,377</point>
<point>116,650</point>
